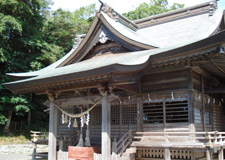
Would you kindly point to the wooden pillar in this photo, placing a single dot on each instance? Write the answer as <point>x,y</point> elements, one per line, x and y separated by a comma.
<point>220,154</point>
<point>208,155</point>
<point>106,129</point>
<point>164,115</point>
<point>191,116</point>
<point>34,152</point>
<point>203,103</point>
<point>167,154</point>
<point>52,131</point>
<point>139,115</point>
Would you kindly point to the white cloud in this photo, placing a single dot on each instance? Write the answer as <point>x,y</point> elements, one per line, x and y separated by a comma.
<point>119,5</point>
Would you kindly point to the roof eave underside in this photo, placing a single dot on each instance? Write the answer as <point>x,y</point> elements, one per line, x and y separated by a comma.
<point>100,23</point>
<point>158,54</point>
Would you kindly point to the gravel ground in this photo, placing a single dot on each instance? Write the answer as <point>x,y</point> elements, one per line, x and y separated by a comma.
<point>19,151</point>
<point>16,156</point>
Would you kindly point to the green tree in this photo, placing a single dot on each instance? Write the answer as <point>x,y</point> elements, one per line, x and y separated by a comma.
<point>63,26</point>
<point>21,23</point>
<point>32,37</point>
<point>152,8</point>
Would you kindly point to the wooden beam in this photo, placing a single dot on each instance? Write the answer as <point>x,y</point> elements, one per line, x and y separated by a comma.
<point>106,129</point>
<point>165,69</point>
<point>76,100</point>
<point>134,88</point>
<point>216,90</point>
<point>205,74</point>
<point>52,132</point>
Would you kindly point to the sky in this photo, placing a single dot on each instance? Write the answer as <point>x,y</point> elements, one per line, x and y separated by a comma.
<point>120,6</point>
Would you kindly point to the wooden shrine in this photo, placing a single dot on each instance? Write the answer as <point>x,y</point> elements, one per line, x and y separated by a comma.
<point>149,89</point>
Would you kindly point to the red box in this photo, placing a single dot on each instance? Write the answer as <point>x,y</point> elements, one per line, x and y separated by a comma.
<point>82,153</point>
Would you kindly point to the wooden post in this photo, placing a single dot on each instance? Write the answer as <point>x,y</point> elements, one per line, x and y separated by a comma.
<point>106,129</point>
<point>61,145</point>
<point>114,146</point>
<point>52,131</point>
<point>208,154</point>
<point>220,154</point>
<point>139,115</point>
<point>34,152</point>
<point>167,154</point>
<point>203,103</point>
<point>164,115</point>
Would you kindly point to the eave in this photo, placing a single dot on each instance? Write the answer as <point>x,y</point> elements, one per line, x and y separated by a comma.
<point>156,56</point>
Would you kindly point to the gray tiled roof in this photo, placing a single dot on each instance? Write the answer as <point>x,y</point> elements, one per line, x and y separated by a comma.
<point>165,36</point>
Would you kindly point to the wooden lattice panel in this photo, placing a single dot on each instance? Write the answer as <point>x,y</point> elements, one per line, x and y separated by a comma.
<point>96,115</point>
<point>176,111</point>
<point>217,117</point>
<point>115,113</point>
<point>129,113</point>
<point>153,113</point>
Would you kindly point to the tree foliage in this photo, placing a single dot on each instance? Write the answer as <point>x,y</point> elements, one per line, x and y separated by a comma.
<point>63,26</point>
<point>20,44</point>
<point>32,37</point>
<point>152,8</point>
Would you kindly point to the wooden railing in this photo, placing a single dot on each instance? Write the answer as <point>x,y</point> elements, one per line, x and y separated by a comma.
<point>39,137</point>
<point>209,139</point>
<point>99,157</point>
<point>215,138</point>
<point>118,147</point>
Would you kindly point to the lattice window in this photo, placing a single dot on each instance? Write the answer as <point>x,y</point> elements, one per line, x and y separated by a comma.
<point>207,118</point>
<point>153,113</point>
<point>115,114</point>
<point>176,112</point>
<point>129,113</point>
<point>217,117</point>
<point>198,117</point>
<point>96,115</point>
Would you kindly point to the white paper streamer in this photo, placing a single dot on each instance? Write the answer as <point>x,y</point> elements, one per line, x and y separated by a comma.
<point>172,96</point>
<point>81,122</point>
<point>88,118</point>
<point>63,118</point>
<point>199,97</point>
<point>69,124</point>
<point>149,99</point>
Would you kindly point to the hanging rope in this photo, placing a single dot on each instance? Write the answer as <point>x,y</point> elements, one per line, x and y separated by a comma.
<point>75,115</point>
